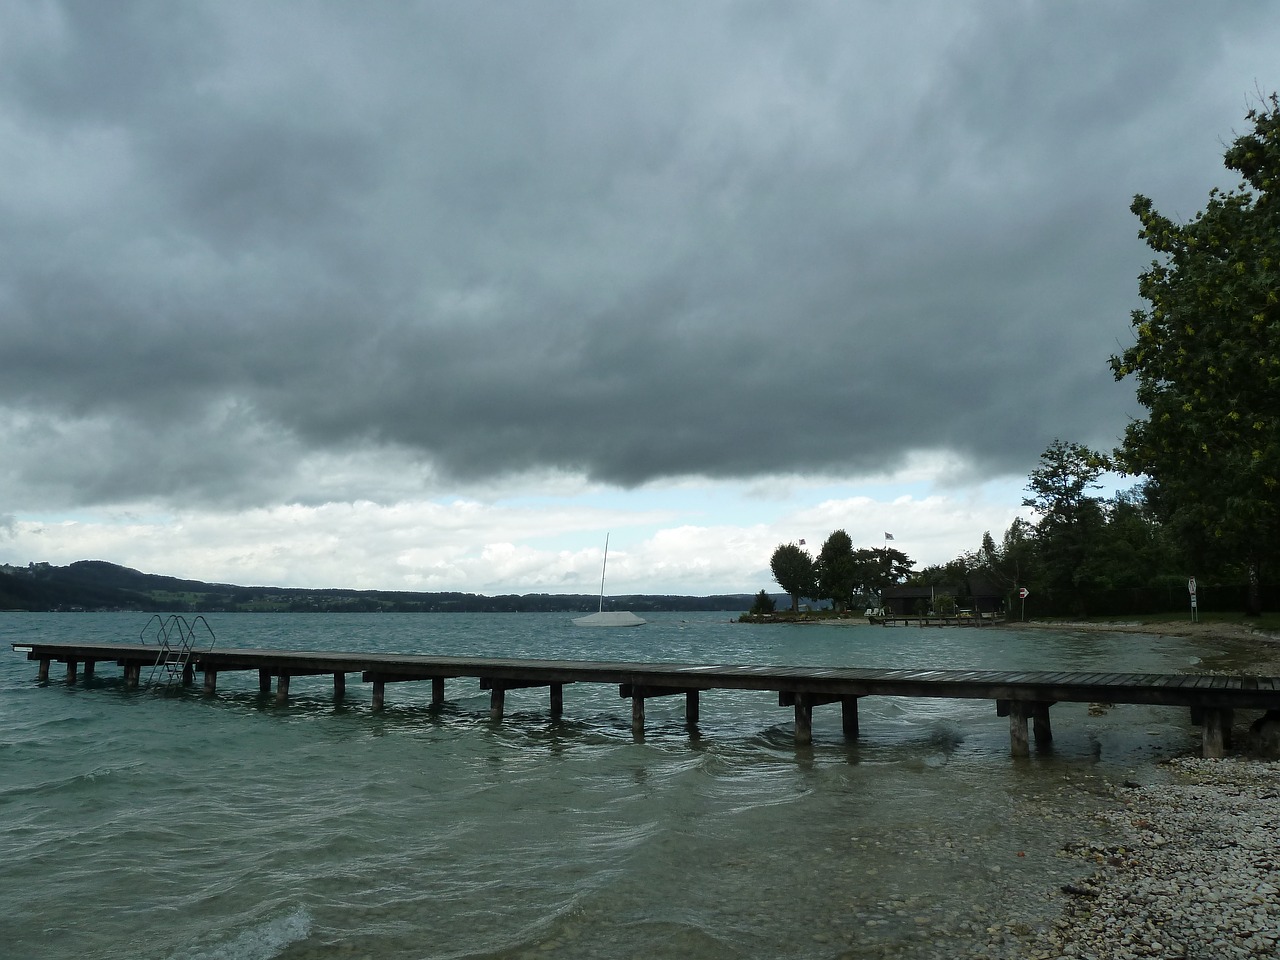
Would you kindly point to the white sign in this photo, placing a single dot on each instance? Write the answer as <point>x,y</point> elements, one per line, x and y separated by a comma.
<point>1191,586</point>
<point>1024,593</point>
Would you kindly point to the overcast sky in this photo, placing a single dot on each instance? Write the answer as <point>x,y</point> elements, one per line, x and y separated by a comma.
<point>430,296</point>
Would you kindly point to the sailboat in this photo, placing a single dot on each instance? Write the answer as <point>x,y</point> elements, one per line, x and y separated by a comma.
<point>608,618</point>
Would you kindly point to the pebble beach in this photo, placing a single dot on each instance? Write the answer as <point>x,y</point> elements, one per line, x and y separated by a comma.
<point>1189,868</point>
<point>1192,876</point>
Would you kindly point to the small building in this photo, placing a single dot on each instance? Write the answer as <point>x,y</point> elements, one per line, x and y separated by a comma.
<point>910,601</point>
<point>976,594</point>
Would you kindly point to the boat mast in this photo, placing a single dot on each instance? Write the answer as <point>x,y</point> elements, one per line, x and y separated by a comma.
<point>604,564</point>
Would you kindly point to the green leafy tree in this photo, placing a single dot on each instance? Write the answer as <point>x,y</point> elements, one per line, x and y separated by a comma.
<point>877,569</point>
<point>1137,550</point>
<point>836,570</point>
<point>1207,367</point>
<point>763,604</point>
<point>793,568</point>
<point>1069,528</point>
<point>1017,556</point>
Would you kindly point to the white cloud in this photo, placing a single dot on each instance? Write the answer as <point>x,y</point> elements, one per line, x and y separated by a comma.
<point>524,544</point>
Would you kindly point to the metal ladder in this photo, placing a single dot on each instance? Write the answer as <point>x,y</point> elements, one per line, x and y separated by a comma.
<point>176,639</point>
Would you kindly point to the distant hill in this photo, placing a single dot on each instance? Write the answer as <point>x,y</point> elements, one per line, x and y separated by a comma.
<point>99,585</point>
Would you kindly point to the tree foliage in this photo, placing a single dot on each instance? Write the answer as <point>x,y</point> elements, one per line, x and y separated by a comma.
<point>1082,549</point>
<point>1206,363</point>
<point>763,604</point>
<point>1071,521</point>
<point>877,569</point>
<point>840,573</point>
<point>793,569</point>
<point>836,570</point>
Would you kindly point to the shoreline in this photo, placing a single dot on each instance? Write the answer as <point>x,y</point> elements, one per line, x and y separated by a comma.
<point>1263,646</point>
<point>1208,630</point>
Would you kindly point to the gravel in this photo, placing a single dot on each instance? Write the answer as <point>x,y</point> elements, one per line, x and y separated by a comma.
<point>1194,875</point>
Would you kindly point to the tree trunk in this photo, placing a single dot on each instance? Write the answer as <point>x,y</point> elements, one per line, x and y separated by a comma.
<point>1253,605</point>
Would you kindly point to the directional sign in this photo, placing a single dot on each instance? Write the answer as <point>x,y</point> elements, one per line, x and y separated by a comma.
<point>1191,586</point>
<point>1024,593</point>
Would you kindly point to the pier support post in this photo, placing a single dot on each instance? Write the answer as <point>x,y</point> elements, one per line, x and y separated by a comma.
<point>282,687</point>
<point>188,674</point>
<point>557,700</point>
<point>437,691</point>
<point>339,686</point>
<point>497,701</point>
<point>379,692</point>
<point>1216,733</point>
<point>1040,724</point>
<point>637,714</point>
<point>132,675</point>
<point>88,669</point>
<point>849,717</point>
<point>210,680</point>
<point>71,673</point>
<point>1018,745</point>
<point>804,719</point>
<point>691,708</point>
<point>264,681</point>
<point>42,674</point>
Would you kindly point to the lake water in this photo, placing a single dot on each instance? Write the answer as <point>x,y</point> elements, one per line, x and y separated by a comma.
<point>172,825</point>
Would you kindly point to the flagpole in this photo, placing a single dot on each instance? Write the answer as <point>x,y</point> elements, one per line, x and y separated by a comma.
<point>888,566</point>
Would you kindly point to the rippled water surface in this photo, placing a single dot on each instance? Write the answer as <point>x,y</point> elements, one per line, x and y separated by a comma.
<point>146,824</point>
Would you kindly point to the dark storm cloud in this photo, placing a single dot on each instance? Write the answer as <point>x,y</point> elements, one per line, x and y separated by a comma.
<point>638,242</point>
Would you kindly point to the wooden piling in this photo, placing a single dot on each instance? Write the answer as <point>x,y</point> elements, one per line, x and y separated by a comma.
<point>804,719</point>
<point>71,672</point>
<point>132,675</point>
<point>379,692</point>
<point>497,701</point>
<point>188,674</point>
<point>43,673</point>
<point>88,669</point>
<point>1041,729</point>
<point>637,714</point>
<point>557,700</point>
<point>691,714</point>
<point>339,686</point>
<point>264,681</point>
<point>210,680</point>
<point>282,687</point>
<point>437,691</point>
<point>1215,735</point>
<point>1018,745</point>
<point>849,717</point>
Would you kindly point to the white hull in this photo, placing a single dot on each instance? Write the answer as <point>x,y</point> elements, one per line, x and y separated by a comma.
<point>610,618</point>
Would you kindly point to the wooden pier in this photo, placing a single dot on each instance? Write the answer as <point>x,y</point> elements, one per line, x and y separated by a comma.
<point>1024,697</point>
<point>935,619</point>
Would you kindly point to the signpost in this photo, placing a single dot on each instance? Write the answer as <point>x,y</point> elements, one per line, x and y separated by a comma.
<point>1023,592</point>
<point>1191,589</point>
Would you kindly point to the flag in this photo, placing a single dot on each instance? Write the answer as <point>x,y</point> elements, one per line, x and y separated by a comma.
<point>888,536</point>
<point>802,543</point>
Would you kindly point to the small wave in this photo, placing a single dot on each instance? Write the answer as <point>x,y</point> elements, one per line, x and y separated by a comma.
<point>262,942</point>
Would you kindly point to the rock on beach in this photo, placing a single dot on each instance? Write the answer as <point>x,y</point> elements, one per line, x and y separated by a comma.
<point>1196,873</point>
